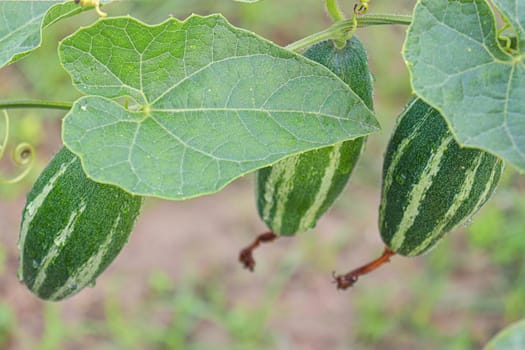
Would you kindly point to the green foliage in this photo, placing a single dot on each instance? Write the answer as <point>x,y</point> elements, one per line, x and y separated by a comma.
<point>22,22</point>
<point>203,120</point>
<point>511,338</point>
<point>458,66</point>
<point>294,193</point>
<point>502,229</point>
<point>54,331</point>
<point>6,323</point>
<point>7,317</point>
<point>373,324</point>
<point>176,314</point>
<point>499,233</point>
<point>172,314</point>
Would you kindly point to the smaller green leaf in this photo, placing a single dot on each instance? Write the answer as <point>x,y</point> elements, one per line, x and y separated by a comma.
<point>510,338</point>
<point>22,22</point>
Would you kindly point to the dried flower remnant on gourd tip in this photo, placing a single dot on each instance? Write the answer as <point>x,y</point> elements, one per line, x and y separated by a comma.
<point>349,279</point>
<point>246,255</point>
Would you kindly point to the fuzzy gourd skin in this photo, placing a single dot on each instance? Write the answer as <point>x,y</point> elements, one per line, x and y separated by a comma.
<point>293,193</point>
<point>72,229</point>
<point>430,184</point>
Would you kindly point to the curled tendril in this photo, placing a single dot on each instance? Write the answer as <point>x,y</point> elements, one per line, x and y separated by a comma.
<point>94,3</point>
<point>361,8</point>
<point>23,155</point>
<point>342,37</point>
<point>504,40</point>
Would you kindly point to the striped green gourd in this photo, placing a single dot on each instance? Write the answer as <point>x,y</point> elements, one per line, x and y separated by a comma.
<point>293,193</point>
<point>430,184</point>
<point>72,229</point>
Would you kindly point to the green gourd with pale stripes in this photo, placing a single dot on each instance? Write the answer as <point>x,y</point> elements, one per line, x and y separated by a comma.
<point>430,184</point>
<point>293,193</point>
<point>72,229</point>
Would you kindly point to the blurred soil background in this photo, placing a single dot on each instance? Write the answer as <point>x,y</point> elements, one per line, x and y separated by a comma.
<point>177,284</point>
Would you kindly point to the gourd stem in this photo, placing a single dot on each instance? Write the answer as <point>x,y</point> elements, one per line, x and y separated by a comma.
<point>12,104</point>
<point>246,255</point>
<point>346,25</point>
<point>337,16</point>
<point>347,280</point>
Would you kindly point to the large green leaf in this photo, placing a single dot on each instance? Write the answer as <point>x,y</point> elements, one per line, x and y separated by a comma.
<point>21,24</point>
<point>458,67</point>
<point>214,102</point>
<point>510,338</point>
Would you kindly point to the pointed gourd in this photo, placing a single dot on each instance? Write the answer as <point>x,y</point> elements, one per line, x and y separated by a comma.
<point>72,229</point>
<point>294,193</point>
<point>430,183</point>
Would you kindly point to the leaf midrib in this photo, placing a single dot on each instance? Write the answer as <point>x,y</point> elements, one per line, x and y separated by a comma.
<point>266,111</point>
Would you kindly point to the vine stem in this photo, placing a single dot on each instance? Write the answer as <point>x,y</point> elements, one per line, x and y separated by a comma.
<point>332,32</point>
<point>337,16</point>
<point>334,11</point>
<point>12,104</point>
<point>343,26</point>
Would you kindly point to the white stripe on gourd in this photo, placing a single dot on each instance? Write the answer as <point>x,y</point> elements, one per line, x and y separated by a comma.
<point>458,201</point>
<point>308,220</point>
<point>59,243</point>
<point>32,207</point>
<point>497,170</point>
<point>283,173</point>
<point>87,272</point>
<point>417,195</point>
<point>389,177</point>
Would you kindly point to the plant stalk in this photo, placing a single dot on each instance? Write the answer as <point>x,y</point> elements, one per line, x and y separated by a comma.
<point>17,104</point>
<point>334,11</point>
<point>333,32</point>
<point>347,25</point>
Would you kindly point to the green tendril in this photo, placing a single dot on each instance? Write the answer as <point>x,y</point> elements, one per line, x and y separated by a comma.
<point>362,7</point>
<point>334,11</point>
<point>507,43</point>
<point>23,155</point>
<point>359,10</point>
<point>342,36</point>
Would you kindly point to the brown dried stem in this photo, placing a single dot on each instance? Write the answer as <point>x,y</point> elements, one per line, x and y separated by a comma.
<point>246,255</point>
<point>347,280</point>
